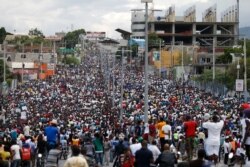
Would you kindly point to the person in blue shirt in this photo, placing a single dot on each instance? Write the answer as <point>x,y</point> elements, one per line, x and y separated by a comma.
<point>13,134</point>
<point>52,134</point>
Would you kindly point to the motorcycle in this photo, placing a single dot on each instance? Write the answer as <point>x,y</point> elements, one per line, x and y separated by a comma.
<point>40,160</point>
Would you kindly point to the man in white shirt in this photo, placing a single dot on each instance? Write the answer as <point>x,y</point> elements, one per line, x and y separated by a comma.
<point>15,153</point>
<point>26,130</point>
<point>227,149</point>
<point>167,130</point>
<point>213,140</point>
<point>155,150</point>
<point>134,146</point>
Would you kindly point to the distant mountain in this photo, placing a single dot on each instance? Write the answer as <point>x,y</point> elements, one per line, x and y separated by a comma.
<point>245,31</point>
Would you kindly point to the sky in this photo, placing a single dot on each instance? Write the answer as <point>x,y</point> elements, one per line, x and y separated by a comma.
<point>50,16</point>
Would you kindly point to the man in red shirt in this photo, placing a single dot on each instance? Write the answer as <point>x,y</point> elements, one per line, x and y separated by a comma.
<point>190,132</point>
<point>152,132</point>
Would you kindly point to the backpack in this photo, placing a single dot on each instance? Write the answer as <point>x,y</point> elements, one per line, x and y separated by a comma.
<point>26,154</point>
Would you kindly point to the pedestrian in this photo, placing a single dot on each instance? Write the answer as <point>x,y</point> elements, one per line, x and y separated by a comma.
<point>159,126</point>
<point>166,158</point>
<point>76,160</point>
<point>143,157</point>
<point>227,149</point>
<point>200,161</point>
<point>15,154</point>
<point>98,144</point>
<point>107,148</point>
<point>190,133</point>
<point>52,135</point>
<point>213,140</point>
<point>128,159</point>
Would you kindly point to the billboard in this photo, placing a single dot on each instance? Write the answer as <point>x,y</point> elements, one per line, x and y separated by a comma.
<point>146,1</point>
<point>95,35</point>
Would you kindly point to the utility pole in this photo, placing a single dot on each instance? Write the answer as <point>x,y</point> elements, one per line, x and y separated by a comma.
<point>245,70</point>
<point>113,82</point>
<point>40,58</point>
<point>23,66</point>
<point>213,59</point>
<point>172,61</point>
<point>4,62</point>
<point>146,61</point>
<point>182,62</point>
<point>122,85</point>
<point>160,59</point>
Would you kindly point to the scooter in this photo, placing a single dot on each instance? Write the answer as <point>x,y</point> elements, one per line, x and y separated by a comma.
<point>40,160</point>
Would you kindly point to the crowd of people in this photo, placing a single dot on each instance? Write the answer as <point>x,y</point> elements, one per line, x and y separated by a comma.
<point>80,107</point>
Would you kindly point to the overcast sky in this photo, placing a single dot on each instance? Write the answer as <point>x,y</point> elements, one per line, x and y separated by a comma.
<point>52,16</point>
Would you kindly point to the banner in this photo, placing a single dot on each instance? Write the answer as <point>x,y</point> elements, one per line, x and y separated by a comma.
<point>156,55</point>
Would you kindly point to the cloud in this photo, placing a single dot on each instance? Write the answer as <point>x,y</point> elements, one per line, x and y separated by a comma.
<point>52,16</point>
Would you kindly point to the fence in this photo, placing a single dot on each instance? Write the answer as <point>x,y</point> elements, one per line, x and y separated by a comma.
<point>214,88</point>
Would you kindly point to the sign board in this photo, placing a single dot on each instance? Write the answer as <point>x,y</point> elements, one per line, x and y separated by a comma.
<point>156,56</point>
<point>239,85</point>
<point>51,66</point>
<point>95,35</point>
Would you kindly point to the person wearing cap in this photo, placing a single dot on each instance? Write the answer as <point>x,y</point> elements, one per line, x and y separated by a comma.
<point>52,134</point>
<point>227,149</point>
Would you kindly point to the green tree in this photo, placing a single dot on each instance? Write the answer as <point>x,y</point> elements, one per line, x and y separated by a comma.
<point>154,41</point>
<point>9,75</point>
<point>71,60</point>
<point>71,38</point>
<point>2,34</point>
<point>134,49</point>
<point>36,32</point>
<point>241,42</point>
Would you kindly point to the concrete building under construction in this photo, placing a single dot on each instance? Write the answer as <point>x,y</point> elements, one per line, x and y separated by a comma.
<point>203,36</point>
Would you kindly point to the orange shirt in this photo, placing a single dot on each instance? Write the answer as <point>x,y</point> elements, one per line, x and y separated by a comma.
<point>159,127</point>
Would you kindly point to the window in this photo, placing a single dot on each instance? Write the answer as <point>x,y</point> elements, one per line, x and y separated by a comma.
<point>23,56</point>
